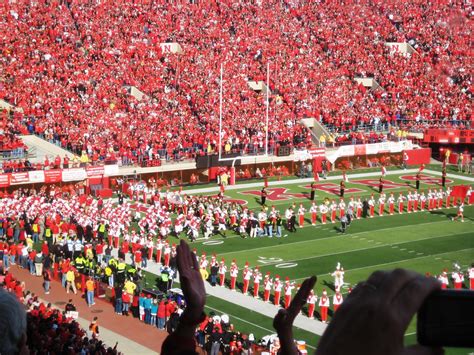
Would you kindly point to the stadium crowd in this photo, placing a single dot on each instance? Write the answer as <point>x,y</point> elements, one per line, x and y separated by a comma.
<point>70,65</point>
<point>48,329</point>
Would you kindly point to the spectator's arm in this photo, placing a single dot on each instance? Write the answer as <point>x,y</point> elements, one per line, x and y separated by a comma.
<point>283,322</point>
<point>182,340</point>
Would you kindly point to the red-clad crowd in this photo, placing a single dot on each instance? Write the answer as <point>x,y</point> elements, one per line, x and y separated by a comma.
<point>70,65</point>
<point>11,146</point>
<point>48,329</point>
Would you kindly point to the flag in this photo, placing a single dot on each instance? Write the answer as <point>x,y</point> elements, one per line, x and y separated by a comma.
<point>316,176</point>
<point>422,166</point>
<point>265,182</point>
<point>384,170</point>
<point>459,191</point>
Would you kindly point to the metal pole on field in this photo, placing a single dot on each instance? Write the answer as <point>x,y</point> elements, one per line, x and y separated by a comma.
<point>268,106</point>
<point>220,113</point>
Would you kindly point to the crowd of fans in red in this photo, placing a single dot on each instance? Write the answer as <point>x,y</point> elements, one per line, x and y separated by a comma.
<point>69,66</point>
<point>50,330</point>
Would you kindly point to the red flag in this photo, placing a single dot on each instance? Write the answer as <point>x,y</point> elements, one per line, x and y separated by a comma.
<point>316,176</point>
<point>459,191</point>
<point>422,166</point>
<point>265,182</point>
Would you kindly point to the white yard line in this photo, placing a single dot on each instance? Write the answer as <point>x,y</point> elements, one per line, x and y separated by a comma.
<point>241,319</point>
<point>454,176</point>
<point>325,239</point>
<point>360,249</point>
<point>392,262</point>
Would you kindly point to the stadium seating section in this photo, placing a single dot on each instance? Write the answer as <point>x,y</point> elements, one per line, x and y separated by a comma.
<point>70,66</point>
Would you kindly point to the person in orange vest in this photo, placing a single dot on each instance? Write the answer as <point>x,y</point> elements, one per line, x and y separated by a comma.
<point>94,328</point>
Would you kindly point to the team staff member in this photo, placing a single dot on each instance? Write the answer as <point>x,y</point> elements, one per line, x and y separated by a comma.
<point>443,176</point>
<point>263,196</point>
<point>313,191</point>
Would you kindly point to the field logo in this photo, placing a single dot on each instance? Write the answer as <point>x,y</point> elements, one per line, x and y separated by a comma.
<point>276,194</point>
<point>331,188</point>
<point>425,179</point>
<point>375,183</point>
<point>234,200</point>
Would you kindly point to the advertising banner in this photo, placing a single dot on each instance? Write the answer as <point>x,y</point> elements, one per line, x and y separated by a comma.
<point>74,174</point>
<point>19,178</point>
<point>52,176</point>
<point>36,176</point>
<point>4,180</point>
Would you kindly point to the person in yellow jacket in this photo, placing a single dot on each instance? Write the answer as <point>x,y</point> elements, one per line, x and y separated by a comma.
<point>322,140</point>
<point>84,159</point>
<point>35,228</point>
<point>204,274</point>
<point>130,287</point>
<point>29,242</point>
<point>71,281</point>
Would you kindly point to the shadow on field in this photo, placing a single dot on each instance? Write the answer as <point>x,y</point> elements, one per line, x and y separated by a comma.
<point>329,285</point>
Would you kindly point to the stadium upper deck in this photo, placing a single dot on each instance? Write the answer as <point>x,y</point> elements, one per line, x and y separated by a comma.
<point>66,64</point>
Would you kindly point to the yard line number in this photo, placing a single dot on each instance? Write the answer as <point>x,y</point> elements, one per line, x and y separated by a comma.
<point>279,262</point>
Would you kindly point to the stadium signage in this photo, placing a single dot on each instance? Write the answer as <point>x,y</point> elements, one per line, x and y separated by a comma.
<point>449,136</point>
<point>57,175</point>
<point>74,174</point>
<point>4,180</point>
<point>36,176</point>
<point>171,48</point>
<point>52,176</point>
<point>306,154</point>
<point>369,149</point>
<point>19,178</point>
<point>95,171</point>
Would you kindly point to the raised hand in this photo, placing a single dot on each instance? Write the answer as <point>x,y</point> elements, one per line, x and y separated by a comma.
<point>374,317</point>
<point>283,321</point>
<point>191,284</point>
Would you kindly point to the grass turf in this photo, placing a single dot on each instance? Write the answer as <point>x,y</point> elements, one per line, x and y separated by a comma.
<point>423,241</point>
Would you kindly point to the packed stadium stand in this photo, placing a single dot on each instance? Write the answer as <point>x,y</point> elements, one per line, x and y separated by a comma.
<point>70,66</point>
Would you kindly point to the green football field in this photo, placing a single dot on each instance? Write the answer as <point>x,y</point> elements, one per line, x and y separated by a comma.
<point>422,241</point>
